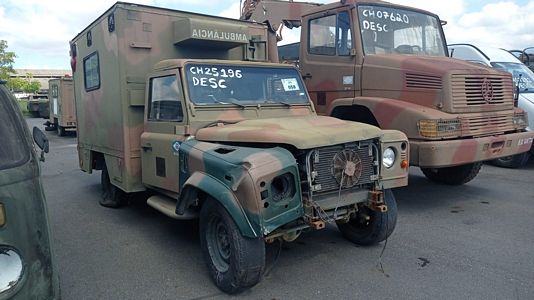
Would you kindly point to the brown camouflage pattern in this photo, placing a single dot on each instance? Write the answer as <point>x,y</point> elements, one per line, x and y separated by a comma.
<point>383,89</point>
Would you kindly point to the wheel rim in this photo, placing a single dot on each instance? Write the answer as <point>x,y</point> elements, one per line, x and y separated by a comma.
<point>218,240</point>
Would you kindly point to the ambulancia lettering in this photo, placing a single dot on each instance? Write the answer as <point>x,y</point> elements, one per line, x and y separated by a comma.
<point>219,35</point>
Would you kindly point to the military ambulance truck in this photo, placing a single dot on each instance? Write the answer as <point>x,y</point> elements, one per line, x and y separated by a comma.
<point>184,106</point>
<point>387,65</point>
<point>62,112</point>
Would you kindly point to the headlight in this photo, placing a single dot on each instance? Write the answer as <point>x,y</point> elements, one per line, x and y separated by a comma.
<point>12,268</point>
<point>283,187</point>
<point>440,128</point>
<point>520,119</point>
<point>388,157</point>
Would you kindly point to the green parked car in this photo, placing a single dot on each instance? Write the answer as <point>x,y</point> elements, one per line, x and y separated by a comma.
<point>27,270</point>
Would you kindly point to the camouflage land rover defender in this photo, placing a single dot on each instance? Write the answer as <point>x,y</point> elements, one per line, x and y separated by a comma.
<point>234,141</point>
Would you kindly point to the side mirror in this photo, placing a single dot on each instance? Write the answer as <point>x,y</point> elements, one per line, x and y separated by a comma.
<point>41,140</point>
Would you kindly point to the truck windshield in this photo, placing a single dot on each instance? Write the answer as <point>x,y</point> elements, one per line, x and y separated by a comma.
<point>526,83</point>
<point>244,85</point>
<point>392,30</point>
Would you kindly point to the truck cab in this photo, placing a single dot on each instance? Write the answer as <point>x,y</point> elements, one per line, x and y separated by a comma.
<point>387,65</point>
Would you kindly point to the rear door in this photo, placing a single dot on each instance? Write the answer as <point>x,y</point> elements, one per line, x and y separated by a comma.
<point>165,120</point>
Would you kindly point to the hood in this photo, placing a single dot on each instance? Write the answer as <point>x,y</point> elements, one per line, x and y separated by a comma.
<point>301,132</point>
<point>526,97</point>
<point>435,65</point>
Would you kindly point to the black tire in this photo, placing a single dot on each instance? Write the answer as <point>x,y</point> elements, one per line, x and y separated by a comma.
<point>512,161</point>
<point>235,263</point>
<point>369,227</point>
<point>457,175</point>
<point>112,196</point>
<point>61,131</point>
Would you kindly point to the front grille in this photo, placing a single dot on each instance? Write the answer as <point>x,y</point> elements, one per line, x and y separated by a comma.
<point>472,91</point>
<point>421,81</point>
<point>322,164</point>
<point>486,125</point>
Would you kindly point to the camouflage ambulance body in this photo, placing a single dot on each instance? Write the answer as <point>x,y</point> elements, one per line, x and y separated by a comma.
<point>456,114</point>
<point>266,165</point>
<point>61,105</point>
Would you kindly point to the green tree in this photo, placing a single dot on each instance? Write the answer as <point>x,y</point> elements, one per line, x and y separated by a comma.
<point>32,86</point>
<point>7,59</point>
<point>16,84</point>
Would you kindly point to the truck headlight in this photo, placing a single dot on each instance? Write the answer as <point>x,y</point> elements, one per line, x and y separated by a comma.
<point>12,268</point>
<point>388,157</point>
<point>283,187</point>
<point>520,119</point>
<point>440,128</point>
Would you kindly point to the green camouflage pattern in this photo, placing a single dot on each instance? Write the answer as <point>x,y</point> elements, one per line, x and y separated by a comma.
<point>397,91</point>
<point>233,154</point>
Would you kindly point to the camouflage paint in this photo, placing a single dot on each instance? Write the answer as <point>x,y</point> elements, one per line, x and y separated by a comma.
<point>398,90</point>
<point>27,227</point>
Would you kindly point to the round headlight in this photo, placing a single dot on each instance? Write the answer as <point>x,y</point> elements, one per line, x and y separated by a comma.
<point>388,157</point>
<point>12,268</point>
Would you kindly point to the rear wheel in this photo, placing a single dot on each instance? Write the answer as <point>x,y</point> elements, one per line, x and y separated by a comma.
<point>112,196</point>
<point>235,262</point>
<point>457,175</point>
<point>512,161</point>
<point>369,227</point>
<point>61,131</point>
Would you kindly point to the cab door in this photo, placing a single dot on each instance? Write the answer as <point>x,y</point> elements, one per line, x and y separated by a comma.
<point>328,58</point>
<point>165,121</point>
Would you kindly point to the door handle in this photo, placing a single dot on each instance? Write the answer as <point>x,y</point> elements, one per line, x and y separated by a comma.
<point>306,76</point>
<point>146,147</point>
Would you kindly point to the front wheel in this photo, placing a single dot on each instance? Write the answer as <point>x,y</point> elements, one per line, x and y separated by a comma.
<point>235,262</point>
<point>457,175</point>
<point>369,227</point>
<point>512,161</point>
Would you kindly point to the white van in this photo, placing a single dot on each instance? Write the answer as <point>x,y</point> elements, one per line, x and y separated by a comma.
<point>523,77</point>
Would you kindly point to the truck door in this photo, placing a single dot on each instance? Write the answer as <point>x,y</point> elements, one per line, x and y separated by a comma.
<point>164,131</point>
<point>328,58</point>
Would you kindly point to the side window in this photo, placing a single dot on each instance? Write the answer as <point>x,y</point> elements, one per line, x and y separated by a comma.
<point>165,99</point>
<point>13,150</point>
<point>91,72</point>
<point>331,35</point>
<point>323,36</point>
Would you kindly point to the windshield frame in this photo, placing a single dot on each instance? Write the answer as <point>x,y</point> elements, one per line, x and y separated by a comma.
<point>357,30</point>
<point>239,105</point>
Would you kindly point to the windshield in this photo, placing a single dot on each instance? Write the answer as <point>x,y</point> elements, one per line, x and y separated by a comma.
<point>392,30</point>
<point>241,85</point>
<point>522,75</point>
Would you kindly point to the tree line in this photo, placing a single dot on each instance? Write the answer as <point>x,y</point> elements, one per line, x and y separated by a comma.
<point>17,84</point>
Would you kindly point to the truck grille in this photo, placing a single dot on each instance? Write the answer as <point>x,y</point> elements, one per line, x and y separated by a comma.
<point>470,92</point>
<point>325,164</point>
<point>486,125</point>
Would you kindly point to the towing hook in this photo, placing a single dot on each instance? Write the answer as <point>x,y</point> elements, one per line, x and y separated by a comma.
<point>376,201</point>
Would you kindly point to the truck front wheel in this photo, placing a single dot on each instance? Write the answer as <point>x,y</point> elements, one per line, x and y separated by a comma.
<point>235,262</point>
<point>512,161</point>
<point>112,196</point>
<point>457,175</point>
<point>369,227</point>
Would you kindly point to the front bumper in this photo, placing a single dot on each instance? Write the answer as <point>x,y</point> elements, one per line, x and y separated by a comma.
<point>435,154</point>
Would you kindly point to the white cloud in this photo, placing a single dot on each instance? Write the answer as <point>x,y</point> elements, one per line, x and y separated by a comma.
<point>232,12</point>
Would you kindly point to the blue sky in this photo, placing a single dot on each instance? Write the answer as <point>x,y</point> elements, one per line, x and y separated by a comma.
<point>38,31</point>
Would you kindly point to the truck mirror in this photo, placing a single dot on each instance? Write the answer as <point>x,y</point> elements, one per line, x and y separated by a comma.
<point>41,140</point>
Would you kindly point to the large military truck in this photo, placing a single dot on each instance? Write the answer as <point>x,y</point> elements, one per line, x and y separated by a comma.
<point>186,107</point>
<point>27,268</point>
<point>35,104</point>
<point>61,106</point>
<point>387,65</point>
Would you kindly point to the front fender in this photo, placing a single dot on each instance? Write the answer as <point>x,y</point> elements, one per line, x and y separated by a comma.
<point>220,193</point>
<point>392,113</point>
